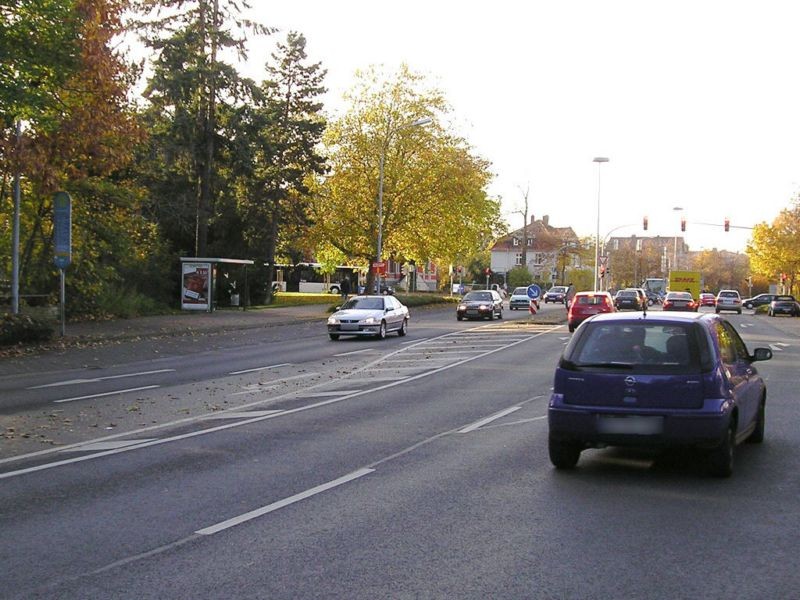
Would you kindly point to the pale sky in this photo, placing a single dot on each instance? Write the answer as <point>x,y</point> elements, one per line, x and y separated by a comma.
<point>696,103</point>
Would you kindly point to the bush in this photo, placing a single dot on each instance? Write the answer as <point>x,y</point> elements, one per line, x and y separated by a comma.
<point>119,302</point>
<point>15,329</point>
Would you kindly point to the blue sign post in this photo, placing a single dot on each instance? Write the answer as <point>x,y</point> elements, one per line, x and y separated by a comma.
<point>534,292</point>
<point>62,237</point>
<point>62,229</point>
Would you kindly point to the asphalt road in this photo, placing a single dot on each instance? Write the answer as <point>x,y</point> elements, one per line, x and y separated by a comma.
<point>418,470</point>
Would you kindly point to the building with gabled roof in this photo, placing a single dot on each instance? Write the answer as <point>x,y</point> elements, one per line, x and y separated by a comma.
<point>541,247</point>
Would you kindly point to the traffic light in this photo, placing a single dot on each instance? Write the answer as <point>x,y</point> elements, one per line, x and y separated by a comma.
<point>602,270</point>
<point>727,224</point>
<point>683,224</point>
<point>644,224</point>
<point>488,271</point>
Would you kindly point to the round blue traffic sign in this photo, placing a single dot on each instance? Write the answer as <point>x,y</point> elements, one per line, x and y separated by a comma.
<point>534,291</point>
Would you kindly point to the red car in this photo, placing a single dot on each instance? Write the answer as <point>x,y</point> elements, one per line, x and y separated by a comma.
<point>588,304</point>
<point>708,299</point>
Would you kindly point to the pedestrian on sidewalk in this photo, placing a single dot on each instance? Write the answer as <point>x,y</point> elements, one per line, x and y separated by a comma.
<point>345,288</point>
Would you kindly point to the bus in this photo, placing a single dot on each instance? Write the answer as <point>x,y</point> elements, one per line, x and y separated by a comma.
<point>657,285</point>
<point>307,277</point>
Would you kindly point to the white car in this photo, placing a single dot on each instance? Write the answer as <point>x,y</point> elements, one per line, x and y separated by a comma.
<point>519,299</point>
<point>369,316</point>
<point>729,300</point>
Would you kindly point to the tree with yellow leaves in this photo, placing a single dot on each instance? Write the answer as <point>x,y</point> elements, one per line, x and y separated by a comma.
<point>775,249</point>
<point>400,180</point>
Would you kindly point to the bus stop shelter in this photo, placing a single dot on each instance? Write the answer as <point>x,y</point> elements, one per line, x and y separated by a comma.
<point>200,281</point>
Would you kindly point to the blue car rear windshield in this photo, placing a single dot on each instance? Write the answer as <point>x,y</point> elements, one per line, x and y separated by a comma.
<point>640,346</point>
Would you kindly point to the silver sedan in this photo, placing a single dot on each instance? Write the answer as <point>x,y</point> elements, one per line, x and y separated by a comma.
<point>369,315</point>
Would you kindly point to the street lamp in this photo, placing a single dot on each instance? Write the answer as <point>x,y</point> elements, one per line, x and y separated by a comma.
<point>675,244</point>
<point>15,228</point>
<point>606,237</point>
<point>384,149</point>
<point>599,160</point>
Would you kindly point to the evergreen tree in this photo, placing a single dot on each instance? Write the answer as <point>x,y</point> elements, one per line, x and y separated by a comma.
<point>192,92</point>
<point>288,127</point>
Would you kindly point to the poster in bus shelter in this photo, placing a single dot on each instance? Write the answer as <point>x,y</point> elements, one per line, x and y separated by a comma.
<point>196,284</point>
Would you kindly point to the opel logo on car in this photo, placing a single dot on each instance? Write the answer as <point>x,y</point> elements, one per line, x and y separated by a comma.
<point>630,380</point>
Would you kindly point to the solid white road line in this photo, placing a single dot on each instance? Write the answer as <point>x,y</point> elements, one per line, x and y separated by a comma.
<point>354,352</point>
<point>146,387</point>
<point>494,417</point>
<point>248,516</point>
<point>264,386</point>
<point>245,414</point>
<point>95,379</point>
<point>111,445</point>
<point>326,394</point>
<point>259,369</point>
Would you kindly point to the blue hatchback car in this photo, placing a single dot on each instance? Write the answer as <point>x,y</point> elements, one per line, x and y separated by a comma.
<point>657,380</point>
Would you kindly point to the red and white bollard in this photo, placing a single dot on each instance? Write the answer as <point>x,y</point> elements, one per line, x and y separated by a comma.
<point>532,306</point>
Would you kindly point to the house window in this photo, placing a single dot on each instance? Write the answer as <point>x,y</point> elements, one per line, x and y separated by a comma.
<point>538,259</point>
<point>518,260</point>
<point>529,242</point>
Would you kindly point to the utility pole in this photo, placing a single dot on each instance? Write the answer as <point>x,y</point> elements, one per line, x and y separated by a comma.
<point>524,214</point>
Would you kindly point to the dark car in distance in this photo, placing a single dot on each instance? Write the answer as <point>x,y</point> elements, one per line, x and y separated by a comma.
<point>657,380</point>
<point>483,304</point>
<point>759,300</point>
<point>630,298</point>
<point>555,294</point>
<point>784,305</point>
<point>679,301</point>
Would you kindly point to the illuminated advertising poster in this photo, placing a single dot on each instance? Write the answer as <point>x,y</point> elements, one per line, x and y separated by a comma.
<point>196,284</point>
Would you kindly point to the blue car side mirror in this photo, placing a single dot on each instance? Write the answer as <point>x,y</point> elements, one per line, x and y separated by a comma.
<point>762,354</point>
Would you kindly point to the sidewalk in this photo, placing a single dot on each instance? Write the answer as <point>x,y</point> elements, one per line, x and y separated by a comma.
<point>186,322</point>
<point>194,322</point>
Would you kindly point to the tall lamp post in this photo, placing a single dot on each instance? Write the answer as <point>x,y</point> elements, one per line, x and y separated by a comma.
<point>384,149</point>
<point>599,160</point>
<point>15,229</point>
<point>674,265</point>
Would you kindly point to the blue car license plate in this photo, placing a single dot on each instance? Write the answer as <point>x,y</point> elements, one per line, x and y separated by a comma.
<point>631,424</point>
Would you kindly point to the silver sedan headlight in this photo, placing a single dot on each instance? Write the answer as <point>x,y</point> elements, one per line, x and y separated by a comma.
<point>369,321</point>
<point>333,320</point>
